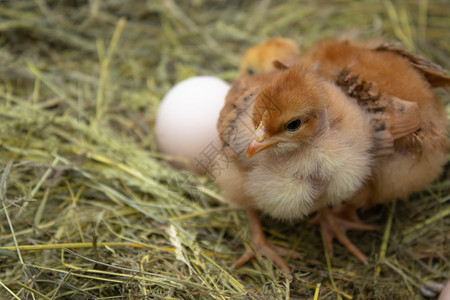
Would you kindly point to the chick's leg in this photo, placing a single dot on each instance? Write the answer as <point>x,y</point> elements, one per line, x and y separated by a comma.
<point>335,222</point>
<point>264,247</point>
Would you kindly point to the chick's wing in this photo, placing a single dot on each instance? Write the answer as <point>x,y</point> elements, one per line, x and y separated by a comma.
<point>234,124</point>
<point>432,72</point>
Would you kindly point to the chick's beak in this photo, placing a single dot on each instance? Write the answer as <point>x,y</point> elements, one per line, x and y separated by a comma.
<point>259,142</point>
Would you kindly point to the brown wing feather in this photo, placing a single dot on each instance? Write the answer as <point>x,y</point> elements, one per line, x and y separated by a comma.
<point>391,118</point>
<point>433,73</point>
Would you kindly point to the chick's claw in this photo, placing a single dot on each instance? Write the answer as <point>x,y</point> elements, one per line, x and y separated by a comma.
<point>264,247</point>
<point>270,251</point>
<point>333,224</point>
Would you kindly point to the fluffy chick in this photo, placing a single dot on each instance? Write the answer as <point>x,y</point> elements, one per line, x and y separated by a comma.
<point>311,148</point>
<point>258,59</point>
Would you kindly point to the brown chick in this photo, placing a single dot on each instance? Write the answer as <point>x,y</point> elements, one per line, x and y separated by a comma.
<point>342,127</point>
<point>258,59</point>
<point>311,148</point>
<point>409,123</point>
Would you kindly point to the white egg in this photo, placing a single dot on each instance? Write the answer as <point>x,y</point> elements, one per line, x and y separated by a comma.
<point>186,121</point>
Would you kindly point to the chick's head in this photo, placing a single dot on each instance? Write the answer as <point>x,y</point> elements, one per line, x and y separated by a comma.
<point>258,59</point>
<point>289,111</point>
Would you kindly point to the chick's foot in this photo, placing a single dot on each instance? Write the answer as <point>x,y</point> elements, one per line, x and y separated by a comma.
<point>334,223</point>
<point>264,247</point>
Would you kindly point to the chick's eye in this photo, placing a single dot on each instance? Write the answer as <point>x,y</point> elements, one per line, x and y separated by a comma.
<point>250,71</point>
<point>293,125</point>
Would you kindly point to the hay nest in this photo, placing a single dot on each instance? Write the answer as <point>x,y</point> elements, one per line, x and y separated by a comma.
<point>97,213</point>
